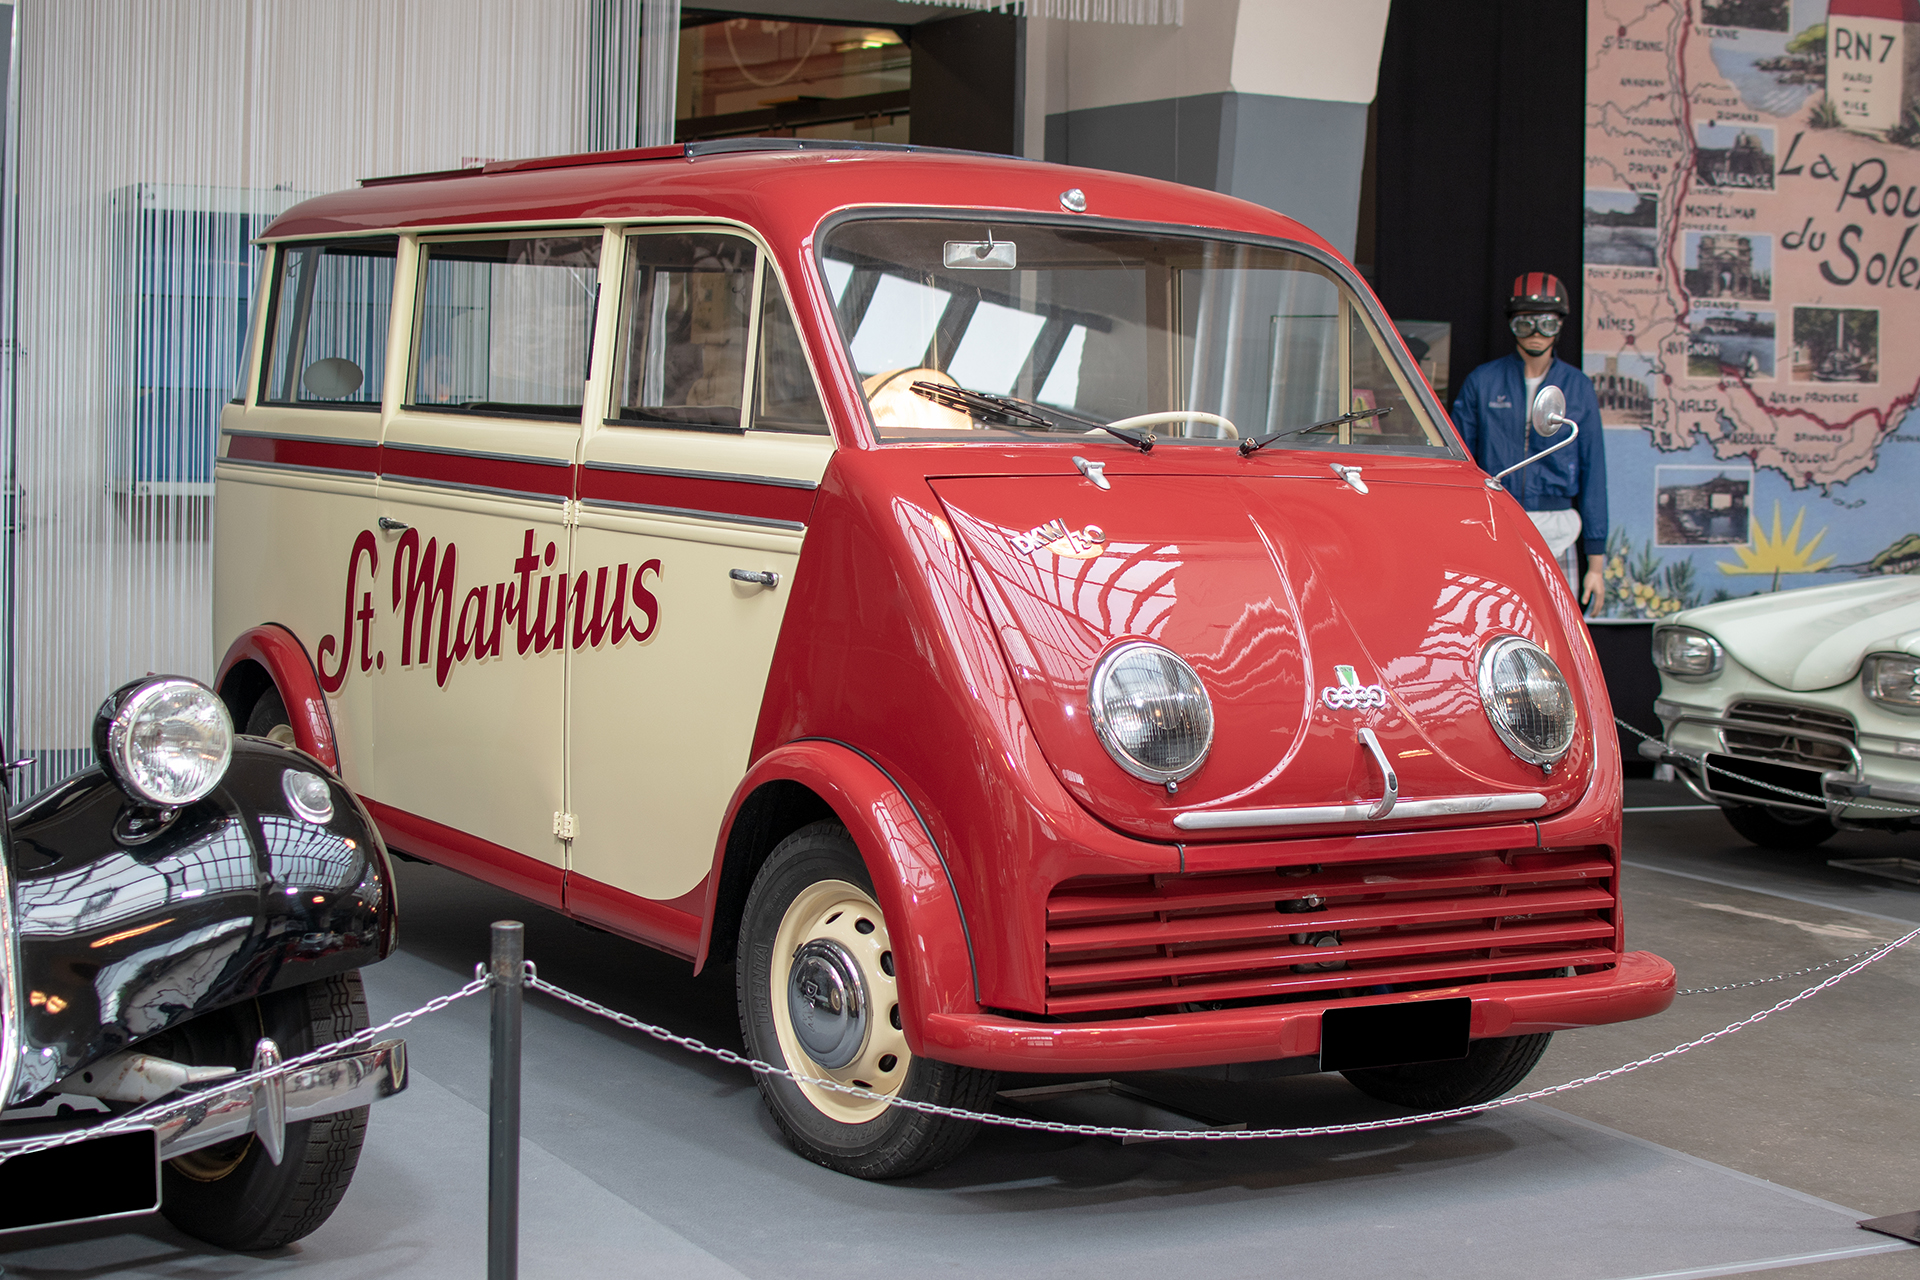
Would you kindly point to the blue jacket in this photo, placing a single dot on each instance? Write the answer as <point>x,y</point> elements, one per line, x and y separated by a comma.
<point>1491,412</point>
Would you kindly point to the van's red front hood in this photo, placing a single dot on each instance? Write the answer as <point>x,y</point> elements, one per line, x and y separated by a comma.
<point>1266,584</point>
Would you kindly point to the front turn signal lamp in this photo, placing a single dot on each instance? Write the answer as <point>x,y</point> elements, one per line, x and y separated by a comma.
<point>1892,680</point>
<point>1687,654</point>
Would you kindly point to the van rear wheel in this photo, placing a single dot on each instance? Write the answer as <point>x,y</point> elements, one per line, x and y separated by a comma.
<point>819,995</point>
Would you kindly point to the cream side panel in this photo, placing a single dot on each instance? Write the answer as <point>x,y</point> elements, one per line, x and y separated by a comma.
<point>282,538</point>
<point>472,741</point>
<point>660,728</point>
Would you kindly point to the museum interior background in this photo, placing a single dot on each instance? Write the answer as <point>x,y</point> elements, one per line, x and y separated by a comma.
<point>1730,187</point>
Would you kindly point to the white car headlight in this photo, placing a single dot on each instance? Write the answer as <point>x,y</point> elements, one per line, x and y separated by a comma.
<point>166,740</point>
<point>1892,680</point>
<point>1527,700</point>
<point>1686,653</point>
<point>1151,712</point>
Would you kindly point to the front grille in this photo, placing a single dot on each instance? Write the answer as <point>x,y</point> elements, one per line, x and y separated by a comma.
<point>1127,944</point>
<point>1785,744</point>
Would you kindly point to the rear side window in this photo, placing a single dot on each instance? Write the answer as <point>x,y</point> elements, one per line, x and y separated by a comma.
<point>685,310</point>
<point>506,325</point>
<point>327,344</point>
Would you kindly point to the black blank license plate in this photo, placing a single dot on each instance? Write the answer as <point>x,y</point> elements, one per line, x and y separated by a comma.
<point>111,1177</point>
<point>1389,1035</point>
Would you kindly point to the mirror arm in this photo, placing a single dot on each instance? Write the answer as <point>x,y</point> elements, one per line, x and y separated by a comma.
<point>1493,481</point>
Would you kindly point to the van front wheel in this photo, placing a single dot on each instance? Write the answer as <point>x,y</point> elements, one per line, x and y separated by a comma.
<point>818,990</point>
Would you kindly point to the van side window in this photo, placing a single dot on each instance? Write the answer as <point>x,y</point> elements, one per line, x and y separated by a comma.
<point>684,311</point>
<point>327,335</point>
<point>784,397</point>
<point>506,325</point>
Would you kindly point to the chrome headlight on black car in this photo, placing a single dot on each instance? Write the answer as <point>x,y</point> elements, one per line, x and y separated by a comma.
<point>1892,680</point>
<point>1687,654</point>
<point>1527,700</point>
<point>1151,712</point>
<point>165,740</point>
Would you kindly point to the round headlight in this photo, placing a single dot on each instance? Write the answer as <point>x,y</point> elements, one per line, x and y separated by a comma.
<point>166,741</point>
<point>1527,699</point>
<point>1686,653</point>
<point>1151,712</point>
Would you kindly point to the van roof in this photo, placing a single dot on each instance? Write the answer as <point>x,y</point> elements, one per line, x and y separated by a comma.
<point>782,186</point>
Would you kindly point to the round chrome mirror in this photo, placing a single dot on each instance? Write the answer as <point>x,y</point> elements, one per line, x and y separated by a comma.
<point>1549,408</point>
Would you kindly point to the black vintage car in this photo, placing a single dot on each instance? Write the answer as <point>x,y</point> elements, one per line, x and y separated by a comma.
<point>191,911</point>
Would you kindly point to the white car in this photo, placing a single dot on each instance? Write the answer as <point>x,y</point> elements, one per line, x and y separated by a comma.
<point>1797,712</point>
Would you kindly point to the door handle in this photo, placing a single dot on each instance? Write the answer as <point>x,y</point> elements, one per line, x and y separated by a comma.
<point>763,577</point>
<point>1392,794</point>
<point>389,525</point>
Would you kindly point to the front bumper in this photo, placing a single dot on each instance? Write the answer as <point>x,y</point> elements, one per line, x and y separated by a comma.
<point>1640,985</point>
<point>1852,795</point>
<point>213,1115</point>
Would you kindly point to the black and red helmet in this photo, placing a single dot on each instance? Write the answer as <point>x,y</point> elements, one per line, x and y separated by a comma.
<point>1537,291</point>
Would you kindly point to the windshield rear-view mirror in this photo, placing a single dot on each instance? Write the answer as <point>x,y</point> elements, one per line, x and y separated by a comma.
<point>981,255</point>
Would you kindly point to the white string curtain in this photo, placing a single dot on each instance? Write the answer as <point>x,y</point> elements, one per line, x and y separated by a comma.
<point>1142,13</point>
<point>154,139</point>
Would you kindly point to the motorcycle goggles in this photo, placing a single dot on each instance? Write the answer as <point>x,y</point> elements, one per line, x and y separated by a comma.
<point>1547,324</point>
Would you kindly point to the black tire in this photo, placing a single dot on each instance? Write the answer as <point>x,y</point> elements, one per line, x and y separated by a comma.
<point>1780,828</point>
<point>232,1195</point>
<point>809,877</point>
<point>269,718</point>
<point>1490,1068</point>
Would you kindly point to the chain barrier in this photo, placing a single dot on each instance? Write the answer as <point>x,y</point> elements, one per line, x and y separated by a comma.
<point>149,1114</point>
<point>1906,811</point>
<point>728,1056</point>
<point>1778,977</point>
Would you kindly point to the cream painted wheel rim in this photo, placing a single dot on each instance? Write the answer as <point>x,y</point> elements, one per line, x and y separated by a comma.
<point>282,733</point>
<point>833,911</point>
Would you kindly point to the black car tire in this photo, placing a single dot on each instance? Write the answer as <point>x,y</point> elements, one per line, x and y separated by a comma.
<point>269,718</point>
<point>1490,1068</point>
<point>232,1195</point>
<point>1780,828</point>
<point>814,886</point>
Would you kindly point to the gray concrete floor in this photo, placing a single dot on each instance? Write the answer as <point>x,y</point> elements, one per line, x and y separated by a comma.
<point>643,1160</point>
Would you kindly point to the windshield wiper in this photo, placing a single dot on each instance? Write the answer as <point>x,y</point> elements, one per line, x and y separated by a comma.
<point>1011,411</point>
<point>1261,442</point>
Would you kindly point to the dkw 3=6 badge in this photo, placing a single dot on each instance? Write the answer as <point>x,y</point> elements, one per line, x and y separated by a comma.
<point>1350,694</point>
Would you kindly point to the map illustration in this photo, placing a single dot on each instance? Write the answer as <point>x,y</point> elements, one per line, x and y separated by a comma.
<point>1752,292</point>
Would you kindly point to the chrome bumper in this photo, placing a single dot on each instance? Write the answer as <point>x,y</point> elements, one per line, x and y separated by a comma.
<point>266,1107</point>
<point>1839,789</point>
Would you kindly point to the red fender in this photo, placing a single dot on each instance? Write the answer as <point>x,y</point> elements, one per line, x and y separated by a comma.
<point>286,660</point>
<point>910,880</point>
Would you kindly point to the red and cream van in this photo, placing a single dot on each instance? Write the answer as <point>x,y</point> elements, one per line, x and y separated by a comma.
<point>1025,618</point>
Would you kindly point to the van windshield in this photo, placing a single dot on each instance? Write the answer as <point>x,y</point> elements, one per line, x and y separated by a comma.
<point>971,331</point>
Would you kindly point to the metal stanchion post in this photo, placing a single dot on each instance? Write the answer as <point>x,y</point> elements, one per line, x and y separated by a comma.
<point>503,1125</point>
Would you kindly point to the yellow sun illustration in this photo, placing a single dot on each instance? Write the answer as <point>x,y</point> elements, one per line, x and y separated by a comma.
<point>1779,553</point>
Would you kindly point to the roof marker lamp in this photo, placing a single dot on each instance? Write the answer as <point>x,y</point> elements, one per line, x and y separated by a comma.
<point>165,740</point>
<point>1687,654</point>
<point>1892,680</point>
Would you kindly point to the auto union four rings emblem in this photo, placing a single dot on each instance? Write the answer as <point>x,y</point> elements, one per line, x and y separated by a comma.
<point>1350,693</point>
<point>1054,536</point>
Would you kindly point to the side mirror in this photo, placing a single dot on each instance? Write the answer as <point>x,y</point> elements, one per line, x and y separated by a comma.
<point>1549,411</point>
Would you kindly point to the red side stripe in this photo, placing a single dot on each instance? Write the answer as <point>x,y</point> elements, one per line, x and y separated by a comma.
<point>750,498</point>
<point>478,473</point>
<point>305,453</point>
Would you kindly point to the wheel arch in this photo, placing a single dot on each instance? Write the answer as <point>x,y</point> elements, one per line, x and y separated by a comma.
<point>271,656</point>
<point>807,781</point>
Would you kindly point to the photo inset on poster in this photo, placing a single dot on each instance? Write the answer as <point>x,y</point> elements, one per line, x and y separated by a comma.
<point>1723,343</point>
<point>1726,264</point>
<point>1622,228</point>
<point>1735,156</point>
<point>1756,15</point>
<point>1701,506</point>
<point>1622,380</point>
<point>1836,344</point>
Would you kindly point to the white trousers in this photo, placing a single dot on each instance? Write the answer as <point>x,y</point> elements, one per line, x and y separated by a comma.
<point>1561,529</point>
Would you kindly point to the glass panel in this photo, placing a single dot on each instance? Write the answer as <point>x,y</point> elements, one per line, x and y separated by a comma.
<point>684,311</point>
<point>506,325</point>
<point>1095,325</point>
<point>785,398</point>
<point>328,344</point>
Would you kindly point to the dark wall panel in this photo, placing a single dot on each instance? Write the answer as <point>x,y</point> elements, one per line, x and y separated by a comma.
<point>969,83</point>
<point>1480,161</point>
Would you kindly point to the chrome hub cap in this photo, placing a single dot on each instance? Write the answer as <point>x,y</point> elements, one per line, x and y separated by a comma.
<point>827,1002</point>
